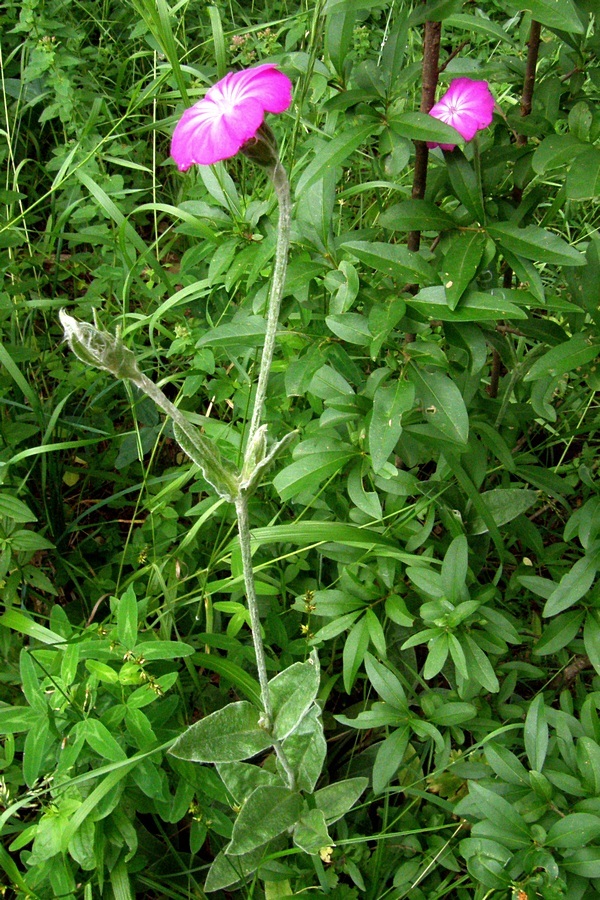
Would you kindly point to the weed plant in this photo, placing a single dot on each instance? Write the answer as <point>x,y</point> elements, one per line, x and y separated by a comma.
<point>434,531</point>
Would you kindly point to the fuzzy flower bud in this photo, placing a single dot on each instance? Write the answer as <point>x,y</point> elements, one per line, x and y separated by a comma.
<point>99,348</point>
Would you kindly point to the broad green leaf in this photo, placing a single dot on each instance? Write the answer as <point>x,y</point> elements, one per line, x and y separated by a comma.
<point>292,693</point>
<point>389,404</point>
<point>478,665</point>
<point>578,351</point>
<point>367,501</point>
<point>386,683</point>
<point>536,733</point>
<point>474,306</point>
<point>34,750</point>
<point>151,650</point>
<point>591,637</point>
<point>438,648</point>
<point>588,763</point>
<point>583,179</point>
<point>394,260</point>
<point>100,739</point>
<point>574,830</point>
<point>29,541</point>
<point>267,812</point>
<point>229,734</point>
<point>127,618</point>
<point>559,632</point>
<point>16,620</point>
<point>15,509</point>
<point>355,648</point>
<point>334,153</point>
<point>306,750</point>
<point>226,871</point>
<point>501,812</point>
<point>241,779</point>
<point>308,472</point>
<point>460,264</point>
<point>310,833</point>
<point>247,331</point>
<point>504,505</point>
<point>416,215</point>
<point>442,403</point>
<point>561,15</point>
<point>536,243</point>
<point>506,765</point>
<point>453,714</point>
<point>14,719</point>
<point>556,151</point>
<point>479,25</point>
<point>336,799</point>
<point>454,568</point>
<point>239,678</point>
<point>584,862</point>
<point>465,184</point>
<point>382,321</point>
<point>418,126</point>
<point>350,327</point>
<point>389,758</point>
<point>487,862</point>
<point>572,587</point>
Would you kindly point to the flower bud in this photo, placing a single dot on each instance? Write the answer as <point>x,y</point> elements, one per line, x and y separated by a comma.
<point>99,348</point>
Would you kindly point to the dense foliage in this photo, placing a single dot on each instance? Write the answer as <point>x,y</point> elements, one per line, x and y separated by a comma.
<point>434,530</point>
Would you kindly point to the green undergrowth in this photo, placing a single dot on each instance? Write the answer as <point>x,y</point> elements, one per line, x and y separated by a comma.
<point>433,532</point>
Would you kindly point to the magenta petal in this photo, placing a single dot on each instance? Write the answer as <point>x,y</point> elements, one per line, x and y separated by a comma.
<point>467,105</point>
<point>230,114</point>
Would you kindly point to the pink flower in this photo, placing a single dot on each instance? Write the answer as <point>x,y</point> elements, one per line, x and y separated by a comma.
<point>467,105</point>
<point>230,113</point>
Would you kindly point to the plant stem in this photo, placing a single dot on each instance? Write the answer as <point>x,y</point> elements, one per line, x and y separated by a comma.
<point>241,509</point>
<point>282,189</point>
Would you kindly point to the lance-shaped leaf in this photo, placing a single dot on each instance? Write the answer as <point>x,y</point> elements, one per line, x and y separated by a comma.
<point>292,693</point>
<point>258,460</point>
<point>267,812</point>
<point>227,735</point>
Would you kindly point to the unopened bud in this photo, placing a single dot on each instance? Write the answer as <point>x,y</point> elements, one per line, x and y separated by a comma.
<point>99,348</point>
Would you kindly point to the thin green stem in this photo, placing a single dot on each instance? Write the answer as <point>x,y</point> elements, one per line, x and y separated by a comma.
<point>241,508</point>
<point>282,189</point>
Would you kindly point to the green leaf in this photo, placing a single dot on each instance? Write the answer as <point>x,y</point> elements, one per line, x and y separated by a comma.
<point>416,215</point>
<point>461,261</point>
<point>559,632</point>
<point>354,652</point>
<point>267,812</point>
<point>454,569</point>
<point>479,667</point>
<point>34,750</point>
<point>453,714</point>
<point>100,739</point>
<point>575,830</point>
<point>442,403</point>
<point>244,332</point>
<point>382,321</point>
<point>578,351</point>
<point>591,637</point>
<point>394,260</point>
<point>562,16</point>
<point>536,243</point>
<point>487,862</point>
<point>308,472</point>
<point>572,587</point>
<point>350,327</point>
<point>588,763</point>
<point>536,734</point>
<point>504,505</point>
<point>556,151</point>
<point>226,735</point>
<point>367,501</point>
<point>306,750</point>
<point>226,871</point>
<point>127,619</point>
<point>152,650</point>
<point>465,184</point>
<point>336,799</point>
<point>310,833</point>
<point>389,403</point>
<point>24,625</point>
<point>15,509</point>
<point>502,813</point>
<point>333,154</point>
<point>506,765</point>
<point>27,541</point>
<point>389,758</point>
<point>438,648</point>
<point>585,862</point>
<point>386,683</point>
<point>583,180</point>
<point>418,126</point>
<point>292,693</point>
<point>239,678</point>
<point>241,779</point>
<point>474,306</point>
